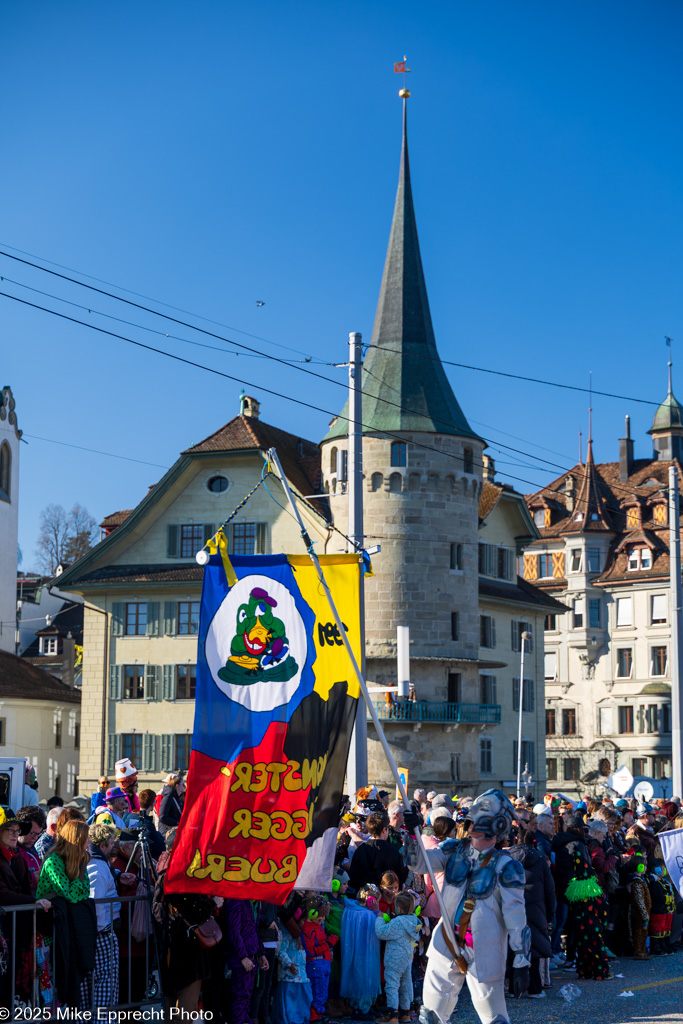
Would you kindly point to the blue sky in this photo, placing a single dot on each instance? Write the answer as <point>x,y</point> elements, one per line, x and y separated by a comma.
<point>212,154</point>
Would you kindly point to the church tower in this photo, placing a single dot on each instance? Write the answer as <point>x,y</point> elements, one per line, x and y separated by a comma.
<point>10,435</point>
<point>422,465</point>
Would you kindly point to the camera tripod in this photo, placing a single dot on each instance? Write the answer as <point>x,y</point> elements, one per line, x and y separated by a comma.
<point>149,876</point>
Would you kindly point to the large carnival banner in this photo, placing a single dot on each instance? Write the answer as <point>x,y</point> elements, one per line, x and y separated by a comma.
<point>276,700</point>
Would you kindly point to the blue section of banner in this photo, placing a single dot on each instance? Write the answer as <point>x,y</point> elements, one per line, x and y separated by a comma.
<point>223,727</point>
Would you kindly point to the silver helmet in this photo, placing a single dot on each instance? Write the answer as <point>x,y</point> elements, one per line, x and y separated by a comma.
<point>491,814</point>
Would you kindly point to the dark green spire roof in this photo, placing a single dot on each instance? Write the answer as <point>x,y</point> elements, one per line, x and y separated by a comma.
<point>670,412</point>
<point>402,367</point>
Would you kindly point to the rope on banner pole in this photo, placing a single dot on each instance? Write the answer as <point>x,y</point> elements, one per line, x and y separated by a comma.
<point>447,923</point>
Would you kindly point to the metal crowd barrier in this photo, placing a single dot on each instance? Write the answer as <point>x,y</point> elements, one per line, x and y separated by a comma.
<point>141,988</point>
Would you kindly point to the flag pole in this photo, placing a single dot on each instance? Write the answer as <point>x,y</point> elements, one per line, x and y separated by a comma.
<point>448,924</point>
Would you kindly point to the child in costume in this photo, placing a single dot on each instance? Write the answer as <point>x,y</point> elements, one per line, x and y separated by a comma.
<point>400,935</point>
<point>639,903</point>
<point>293,995</point>
<point>360,976</point>
<point>389,889</point>
<point>663,905</point>
<point>318,945</point>
<point>336,1006</point>
<point>588,910</point>
<point>244,954</point>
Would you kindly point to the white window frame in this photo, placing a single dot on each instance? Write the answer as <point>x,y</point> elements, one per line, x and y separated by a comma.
<point>572,558</point>
<point>579,610</point>
<point>661,598</point>
<point>49,644</point>
<point>616,663</point>
<point>596,553</point>
<point>665,673</point>
<point>623,602</point>
<point>550,656</point>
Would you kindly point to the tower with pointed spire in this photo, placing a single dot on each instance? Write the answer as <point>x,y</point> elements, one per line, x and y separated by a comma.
<point>667,426</point>
<point>422,466</point>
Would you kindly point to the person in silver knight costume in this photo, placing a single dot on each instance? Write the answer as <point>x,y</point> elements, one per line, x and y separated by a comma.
<point>483,895</point>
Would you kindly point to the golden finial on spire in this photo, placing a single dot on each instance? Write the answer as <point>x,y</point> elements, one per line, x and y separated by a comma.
<point>401,68</point>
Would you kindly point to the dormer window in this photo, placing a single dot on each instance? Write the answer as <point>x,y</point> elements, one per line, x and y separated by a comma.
<point>48,644</point>
<point>539,517</point>
<point>639,558</point>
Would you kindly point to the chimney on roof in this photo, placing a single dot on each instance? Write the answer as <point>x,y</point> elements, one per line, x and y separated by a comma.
<point>489,472</point>
<point>626,453</point>
<point>68,659</point>
<point>250,406</point>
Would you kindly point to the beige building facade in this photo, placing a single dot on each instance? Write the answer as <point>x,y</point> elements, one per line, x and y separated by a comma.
<point>40,719</point>
<point>142,588</point>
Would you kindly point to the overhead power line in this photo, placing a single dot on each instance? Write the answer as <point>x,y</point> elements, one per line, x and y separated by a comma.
<point>140,295</point>
<point>289,398</point>
<point>277,359</point>
<point>229,376</point>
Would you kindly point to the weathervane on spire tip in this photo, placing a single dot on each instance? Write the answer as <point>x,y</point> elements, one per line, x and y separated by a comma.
<point>401,68</point>
<point>668,341</point>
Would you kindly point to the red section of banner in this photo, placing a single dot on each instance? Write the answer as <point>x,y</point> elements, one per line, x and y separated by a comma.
<point>401,66</point>
<point>231,810</point>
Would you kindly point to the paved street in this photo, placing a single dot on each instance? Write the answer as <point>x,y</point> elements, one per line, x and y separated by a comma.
<point>657,987</point>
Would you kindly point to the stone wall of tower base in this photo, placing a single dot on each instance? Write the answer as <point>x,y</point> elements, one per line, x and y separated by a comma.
<point>427,751</point>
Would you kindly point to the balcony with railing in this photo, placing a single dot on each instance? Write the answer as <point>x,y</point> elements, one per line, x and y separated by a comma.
<point>437,711</point>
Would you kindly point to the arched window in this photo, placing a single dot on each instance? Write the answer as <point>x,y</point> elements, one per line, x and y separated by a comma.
<point>5,471</point>
<point>396,482</point>
<point>377,481</point>
<point>468,460</point>
<point>333,460</point>
<point>398,453</point>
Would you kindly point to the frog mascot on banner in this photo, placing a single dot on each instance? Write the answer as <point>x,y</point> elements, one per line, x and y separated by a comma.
<point>484,898</point>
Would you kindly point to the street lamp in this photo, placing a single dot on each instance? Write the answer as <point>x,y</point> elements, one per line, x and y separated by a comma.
<point>523,640</point>
<point>527,778</point>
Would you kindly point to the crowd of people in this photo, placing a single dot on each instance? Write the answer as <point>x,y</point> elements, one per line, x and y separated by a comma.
<point>535,893</point>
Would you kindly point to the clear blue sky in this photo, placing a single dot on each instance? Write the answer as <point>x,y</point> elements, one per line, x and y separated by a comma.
<point>212,154</point>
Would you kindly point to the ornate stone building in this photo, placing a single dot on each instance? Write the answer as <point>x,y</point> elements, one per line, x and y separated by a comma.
<point>423,482</point>
<point>604,553</point>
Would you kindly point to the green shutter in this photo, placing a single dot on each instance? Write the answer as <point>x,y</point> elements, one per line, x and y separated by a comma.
<point>149,752</point>
<point>167,684</point>
<point>151,679</point>
<point>261,538</point>
<point>209,530</point>
<point>172,541</point>
<point>152,618</point>
<point>117,619</point>
<point>515,694</point>
<point>167,752</point>
<point>493,632</point>
<point>114,750</point>
<point>169,618</point>
<point>115,682</point>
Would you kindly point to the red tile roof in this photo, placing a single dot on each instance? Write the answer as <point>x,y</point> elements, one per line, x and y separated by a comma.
<point>21,679</point>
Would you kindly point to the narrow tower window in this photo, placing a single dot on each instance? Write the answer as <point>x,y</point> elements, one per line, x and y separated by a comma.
<point>468,460</point>
<point>5,471</point>
<point>398,453</point>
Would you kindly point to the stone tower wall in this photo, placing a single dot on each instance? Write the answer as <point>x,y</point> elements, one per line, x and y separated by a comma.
<point>415,512</point>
